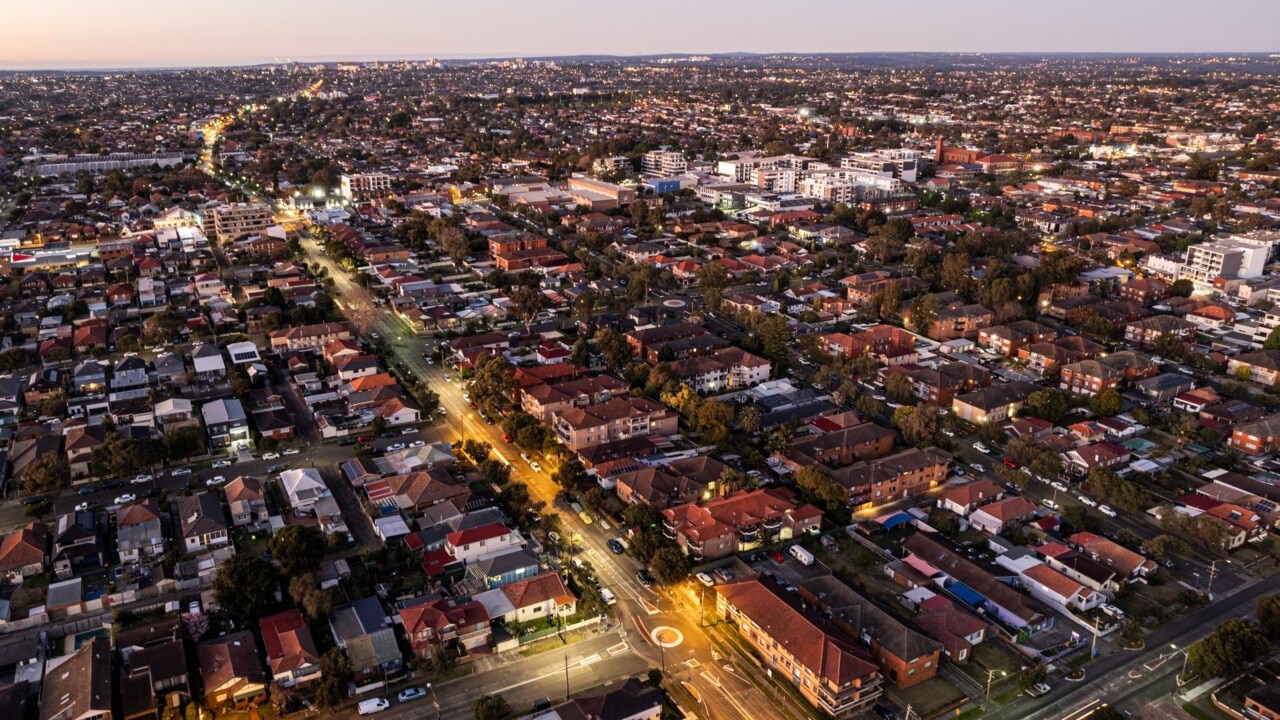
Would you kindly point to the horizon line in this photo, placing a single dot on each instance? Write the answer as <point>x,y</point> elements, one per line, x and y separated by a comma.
<point>487,57</point>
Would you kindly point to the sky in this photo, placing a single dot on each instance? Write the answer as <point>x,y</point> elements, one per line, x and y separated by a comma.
<point>60,34</point>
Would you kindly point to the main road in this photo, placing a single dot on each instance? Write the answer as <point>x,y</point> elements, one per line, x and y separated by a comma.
<point>722,687</point>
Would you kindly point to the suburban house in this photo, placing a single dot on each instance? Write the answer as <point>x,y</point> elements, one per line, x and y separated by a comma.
<point>225,422</point>
<point>1257,438</point>
<point>231,671</point>
<point>201,521</point>
<point>469,545</point>
<point>303,487</point>
<point>1123,560</point>
<point>363,631</point>
<point>541,596</point>
<point>138,532</point>
<point>245,498</point>
<point>79,686</point>
<point>25,552</point>
<point>1262,366</point>
<point>291,652</point>
<point>727,525</point>
<point>434,624</point>
<point>957,630</point>
<point>966,498</point>
<point>1001,515</point>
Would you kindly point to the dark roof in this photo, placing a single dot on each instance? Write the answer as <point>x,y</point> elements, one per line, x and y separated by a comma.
<point>603,703</point>
<point>80,685</point>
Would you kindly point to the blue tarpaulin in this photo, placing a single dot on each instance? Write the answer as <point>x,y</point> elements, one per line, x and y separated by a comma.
<point>966,594</point>
<point>892,521</point>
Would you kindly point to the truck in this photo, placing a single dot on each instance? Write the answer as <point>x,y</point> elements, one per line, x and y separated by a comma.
<point>373,705</point>
<point>804,556</point>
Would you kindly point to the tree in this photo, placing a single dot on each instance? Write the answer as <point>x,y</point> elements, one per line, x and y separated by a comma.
<point>181,443</point>
<point>490,707</point>
<point>749,419</point>
<point>1181,288</point>
<point>1047,404</point>
<point>1268,612</point>
<point>581,356</point>
<point>713,278</point>
<point>571,474</point>
<point>1106,403</point>
<point>898,388</point>
<point>244,587</point>
<point>821,486</point>
<point>378,426</point>
<point>775,339</point>
<point>714,419</point>
<point>614,347</point>
<point>492,383</point>
<point>669,565</point>
<point>315,602</point>
<point>527,302</point>
<point>1162,545</point>
<point>336,675</point>
<point>868,407</point>
<point>924,313</point>
<point>1081,519</point>
<point>918,425</point>
<point>1273,340</point>
<point>47,474</point>
<point>641,515</point>
<point>298,549</point>
<point>1231,647</point>
<point>454,243</point>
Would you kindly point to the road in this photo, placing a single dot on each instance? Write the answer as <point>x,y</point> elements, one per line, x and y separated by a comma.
<point>641,610</point>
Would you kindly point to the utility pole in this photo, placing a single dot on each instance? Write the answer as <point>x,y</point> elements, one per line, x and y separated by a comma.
<point>1093,651</point>
<point>566,678</point>
<point>1213,572</point>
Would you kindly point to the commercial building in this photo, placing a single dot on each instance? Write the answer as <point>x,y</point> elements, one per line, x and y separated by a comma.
<point>663,162</point>
<point>1238,257</point>
<point>237,220</point>
<point>364,185</point>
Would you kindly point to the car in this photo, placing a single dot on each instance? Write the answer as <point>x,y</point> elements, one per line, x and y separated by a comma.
<point>221,464</point>
<point>215,480</point>
<point>1060,486</point>
<point>143,478</point>
<point>193,607</point>
<point>417,443</point>
<point>884,711</point>
<point>1025,471</point>
<point>372,705</point>
<point>981,448</point>
<point>959,471</point>
<point>534,466</point>
<point>1011,487</point>
<point>388,434</point>
<point>705,579</point>
<point>615,546</point>
<point>778,557</point>
<point>112,484</point>
<point>448,379</point>
<point>395,446</point>
<point>291,451</point>
<point>86,490</point>
<point>125,498</point>
<point>344,442</point>
<point>644,577</point>
<point>242,445</point>
<point>506,438</point>
<point>375,336</point>
<point>466,397</point>
<point>1107,510</point>
<point>34,500</point>
<point>1037,690</point>
<point>179,472</point>
<point>1010,464</point>
<point>411,694</point>
<point>948,433</point>
<point>271,456</point>
<point>978,467</point>
<point>723,573</point>
<point>364,439</point>
<point>554,537</point>
<point>84,506</point>
<point>408,431</point>
<point>1113,611</point>
<point>1050,504</point>
<point>1086,500</point>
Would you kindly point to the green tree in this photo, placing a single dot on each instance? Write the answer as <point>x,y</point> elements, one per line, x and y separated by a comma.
<point>775,339</point>
<point>1273,340</point>
<point>1078,517</point>
<point>581,353</point>
<point>898,388</point>
<point>181,443</point>
<point>924,313</point>
<point>378,426</point>
<point>1106,403</point>
<point>1268,612</point>
<point>46,474</point>
<point>714,420</point>
<point>821,486</point>
<point>454,242</point>
<point>614,347</point>
<point>336,675</point>
<point>749,419</point>
<point>492,383</point>
<point>1181,288</point>
<point>526,303</point>
<point>918,425</point>
<point>244,587</point>
<point>642,515</point>
<point>298,549</point>
<point>669,565</point>
<point>490,707</point>
<point>571,474</point>
<point>1230,648</point>
<point>1163,545</point>
<point>1048,404</point>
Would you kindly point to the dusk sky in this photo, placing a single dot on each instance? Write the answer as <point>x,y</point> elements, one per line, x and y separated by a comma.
<point>150,33</point>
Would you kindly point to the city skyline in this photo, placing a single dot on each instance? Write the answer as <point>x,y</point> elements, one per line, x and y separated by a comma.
<point>69,35</point>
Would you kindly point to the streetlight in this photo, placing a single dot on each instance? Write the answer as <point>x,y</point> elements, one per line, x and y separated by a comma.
<point>434,700</point>
<point>990,675</point>
<point>661,637</point>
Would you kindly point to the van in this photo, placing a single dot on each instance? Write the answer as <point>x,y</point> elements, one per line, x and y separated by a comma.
<point>804,556</point>
<point>607,596</point>
<point>373,705</point>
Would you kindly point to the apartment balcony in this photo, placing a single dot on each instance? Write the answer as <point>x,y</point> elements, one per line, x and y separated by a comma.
<point>748,535</point>
<point>772,525</point>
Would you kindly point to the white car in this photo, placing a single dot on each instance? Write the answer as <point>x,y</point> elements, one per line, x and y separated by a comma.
<point>1086,500</point>
<point>242,445</point>
<point>408,431</point>
<point>126,498</point>
<point>271,456</point>
<point>215,480</point>
<point>979,467</point>
<point>222,464</point>
<point>1050,504</point>
<point>1113,611</point>
<point>466,397</point>
<point>291,451</point>
<point>395,446</point>
<point>140,479</point>
<point>83,506</point>
<point>705,579</point>
<point>534,466</point>
<point>981,448</point>
<point>1060,486</point>
<point>416,443</point>
<point>180,472</point>
<point>448,379</point>
<point>948,433</point>
<point>1107,510</point>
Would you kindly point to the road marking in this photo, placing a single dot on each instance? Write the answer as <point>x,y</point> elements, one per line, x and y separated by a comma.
<point>589,659</point>
<point>619,648</point>
<point>710,678</point>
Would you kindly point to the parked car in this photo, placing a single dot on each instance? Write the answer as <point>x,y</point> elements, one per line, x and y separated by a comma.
<point>1050,504</point>
<point>410,694</point>
<point>33,499</point>
<point>1107,510</point>
<point>644,577</point>
<point>1037,690</point>
<point>193,607</point>
<point>1113,611</point>
<point>615,546</point>
<point>979,468</point>
<point>271,456</point>
<point>369,707</point>
<point>534,466</point>
<point>179,472</point>
<point>291,451</point>
<point>222,464</point>
<point>82,507</point>
<point>1086,500</point>
<point>1010,464</point>
<point>408,431</point>
<point>981,448</point>
<point>395,446</point>
<point>215,481</point>
<point>705,579</point>
<point>724,573</point>
<point>86,490</point>
<point>417,444</point>
<point>948,433</point>
<point>143,478</point>
<point>125,498</point>
<point>1060,486</point>
<point>884,711</point>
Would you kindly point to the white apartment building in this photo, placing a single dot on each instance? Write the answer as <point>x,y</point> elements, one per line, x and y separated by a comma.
<point>885,164</point>
<point>664,163</point>
<point>1235,258</point>
<point>611,164</point>
<point>842,186</point>
<point>742,169</point>
<point>777,180</point>
<point>364,185</point>
<point>237,220</point>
